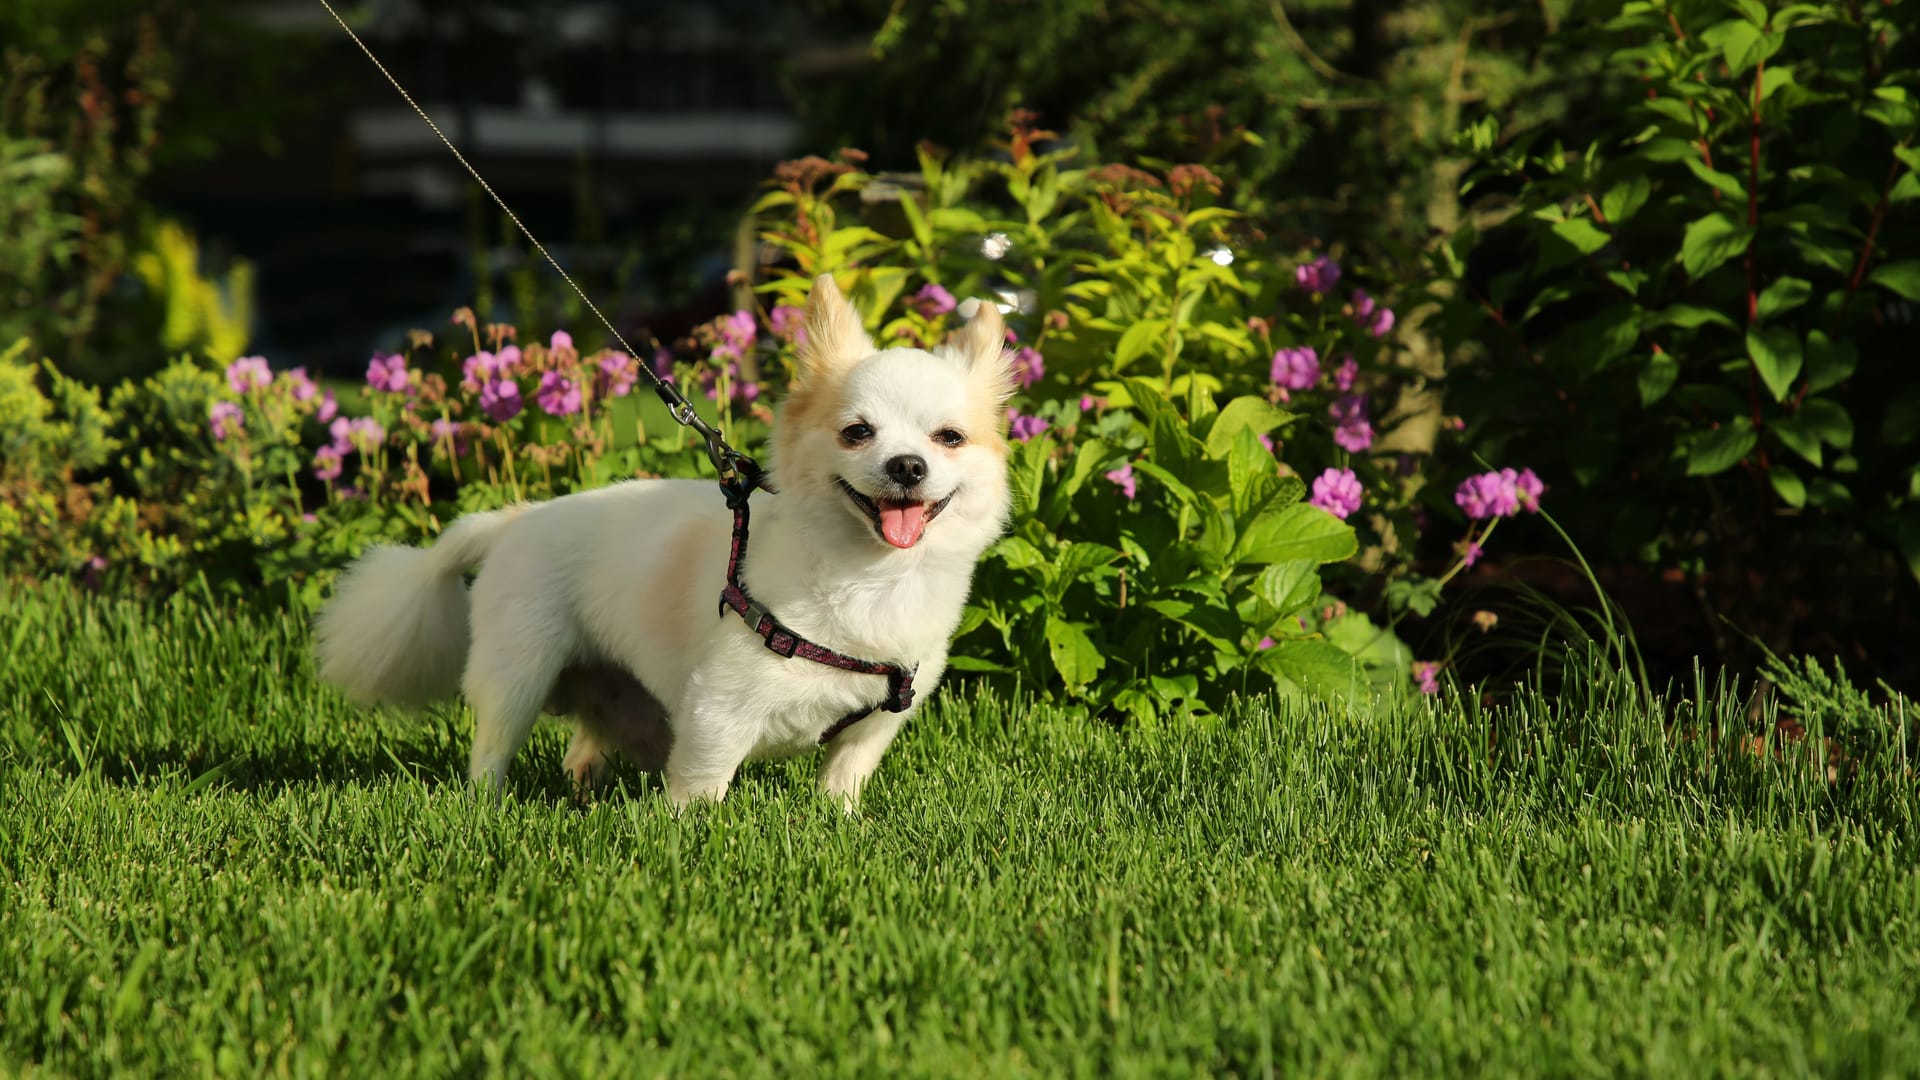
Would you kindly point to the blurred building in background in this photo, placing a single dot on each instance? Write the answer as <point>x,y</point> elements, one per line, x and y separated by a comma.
<point>627,134</point>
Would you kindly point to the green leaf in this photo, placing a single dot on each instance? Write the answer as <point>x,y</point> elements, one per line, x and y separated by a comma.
<point>1289,586</point>
<point>1295,532</point>
<point>1690,317</point>
<point>1623,200</point>
<point>1219,626</point>
<point>1717,180</point>
<point>1720,449</point>
<point>1776,355</point>
<point>1317,669</point>
<point>1711,241</point>
<point>1074,656</point>
<point>1828,420</point>
<point>1018,554</point>
<point>1783,296</point>
<point>1829,362</point>
<point>1657,377</point>
<point>1247,413</point>
<point>1901,278</point>
<point>1139,338</point>
<point>1797,436</point>
<point>1582,235</point>
<point>1786,484</point>
<point>1084,556</point>
<point>1736,39</point>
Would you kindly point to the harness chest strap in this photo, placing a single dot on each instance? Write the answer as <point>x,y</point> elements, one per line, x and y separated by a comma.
<point>786,643</point>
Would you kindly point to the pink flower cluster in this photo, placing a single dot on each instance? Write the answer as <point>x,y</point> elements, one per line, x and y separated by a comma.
<point>1124,479</point>
<point>1351,428</point>
<point>1370,313</point>
<point>1318,276</point>
<point>362,433</point>
<point>933,301</point>
<point>1023,427</point>
<point>1028,366</point>
<point>1296,368</point>
<point>1500,493</point>
<point>1337,491</point>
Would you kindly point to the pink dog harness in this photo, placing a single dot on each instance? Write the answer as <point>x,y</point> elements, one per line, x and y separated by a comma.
<point>785,642</point>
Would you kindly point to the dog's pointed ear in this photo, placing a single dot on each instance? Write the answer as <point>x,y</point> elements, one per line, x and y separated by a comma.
<point>835,340</point>
<point>982,344</point>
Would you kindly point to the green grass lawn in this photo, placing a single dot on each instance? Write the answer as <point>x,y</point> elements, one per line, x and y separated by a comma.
<point>210,864</point>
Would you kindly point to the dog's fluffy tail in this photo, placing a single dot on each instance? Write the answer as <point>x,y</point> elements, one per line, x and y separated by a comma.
<point>396,628</point>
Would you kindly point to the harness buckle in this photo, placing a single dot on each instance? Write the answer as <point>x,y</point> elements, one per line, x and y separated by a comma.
<point>899,691</point>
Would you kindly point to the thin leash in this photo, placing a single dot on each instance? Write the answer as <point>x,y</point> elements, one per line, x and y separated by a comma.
<point>739,474</point>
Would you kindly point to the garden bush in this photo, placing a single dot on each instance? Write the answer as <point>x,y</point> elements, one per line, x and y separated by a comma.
<point>1198,438</point>
<point>1701,318</point>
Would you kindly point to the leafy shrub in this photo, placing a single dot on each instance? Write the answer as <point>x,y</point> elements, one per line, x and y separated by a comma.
<point>1702,319</point>
<point>1161,554</point>
<point>1202,433</point>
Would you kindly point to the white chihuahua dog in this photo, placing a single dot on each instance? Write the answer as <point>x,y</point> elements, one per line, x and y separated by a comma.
<point>891,475</point>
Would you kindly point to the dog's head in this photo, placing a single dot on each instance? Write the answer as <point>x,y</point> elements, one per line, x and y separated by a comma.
<point>904,448</point>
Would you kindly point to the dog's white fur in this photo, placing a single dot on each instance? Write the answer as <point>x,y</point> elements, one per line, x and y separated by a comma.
<point>604,604</point>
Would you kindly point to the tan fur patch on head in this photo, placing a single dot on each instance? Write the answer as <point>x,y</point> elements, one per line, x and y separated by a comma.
<point>981,346</point>
<point>834,342</point>
<point>835,339</point>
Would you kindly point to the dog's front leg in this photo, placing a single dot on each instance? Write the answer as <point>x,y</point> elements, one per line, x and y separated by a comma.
<point>855,753</point>
<point>708,748</point>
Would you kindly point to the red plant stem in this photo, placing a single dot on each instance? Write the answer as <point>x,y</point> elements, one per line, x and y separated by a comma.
<point>1873,229</point>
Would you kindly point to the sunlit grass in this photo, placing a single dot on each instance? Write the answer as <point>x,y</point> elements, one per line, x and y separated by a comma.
<point>209,863</point>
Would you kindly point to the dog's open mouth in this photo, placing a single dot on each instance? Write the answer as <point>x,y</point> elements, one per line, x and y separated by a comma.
<point>900,522</point>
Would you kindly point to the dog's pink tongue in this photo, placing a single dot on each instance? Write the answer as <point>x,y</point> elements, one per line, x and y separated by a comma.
<point>902,522</point>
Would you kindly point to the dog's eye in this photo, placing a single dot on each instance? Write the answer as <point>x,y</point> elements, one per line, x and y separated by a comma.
<point>854,434</point>
<point>948,437</point>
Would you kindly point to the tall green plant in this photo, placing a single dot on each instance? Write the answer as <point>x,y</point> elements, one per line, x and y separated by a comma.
<point>1704,317</point>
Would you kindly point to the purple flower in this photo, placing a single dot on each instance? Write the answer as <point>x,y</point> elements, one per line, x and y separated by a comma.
<point>737,334</point>
<point>789,322</point>
<point>500,400</point>
<point>560,342</point>
<point>389,373</point>
<point>477,370</point>
<point>328,407</point>
<point>447,433</point>
<point>1028,366</point>
<point>663,363</point>
<point>225,418</point>
<point>1352,430</point>
<point>557,394</point>
<point>1296,368</point>
<point>1426,676</point>
<point>1123,477</point>
<point>617,374</point>
<point>1375,316</point>
<point>1470,555</point>
<point>1337,491</point>
<point>1488,495</point>
<point>249,373</point>
<point>1345,374</point>
<point>1265,643</point>
<point>1267,441</point>
<point>506,361</point>
<point>1317,276</point>
<point>1023,427</point>
<point>362,433</point>
<point>326,463</point>
<point>1528,488</point>
<point>303,388</point>
<point>932,301</point>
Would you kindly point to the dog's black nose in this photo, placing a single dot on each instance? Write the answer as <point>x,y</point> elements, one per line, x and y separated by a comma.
<point>907,470</point>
